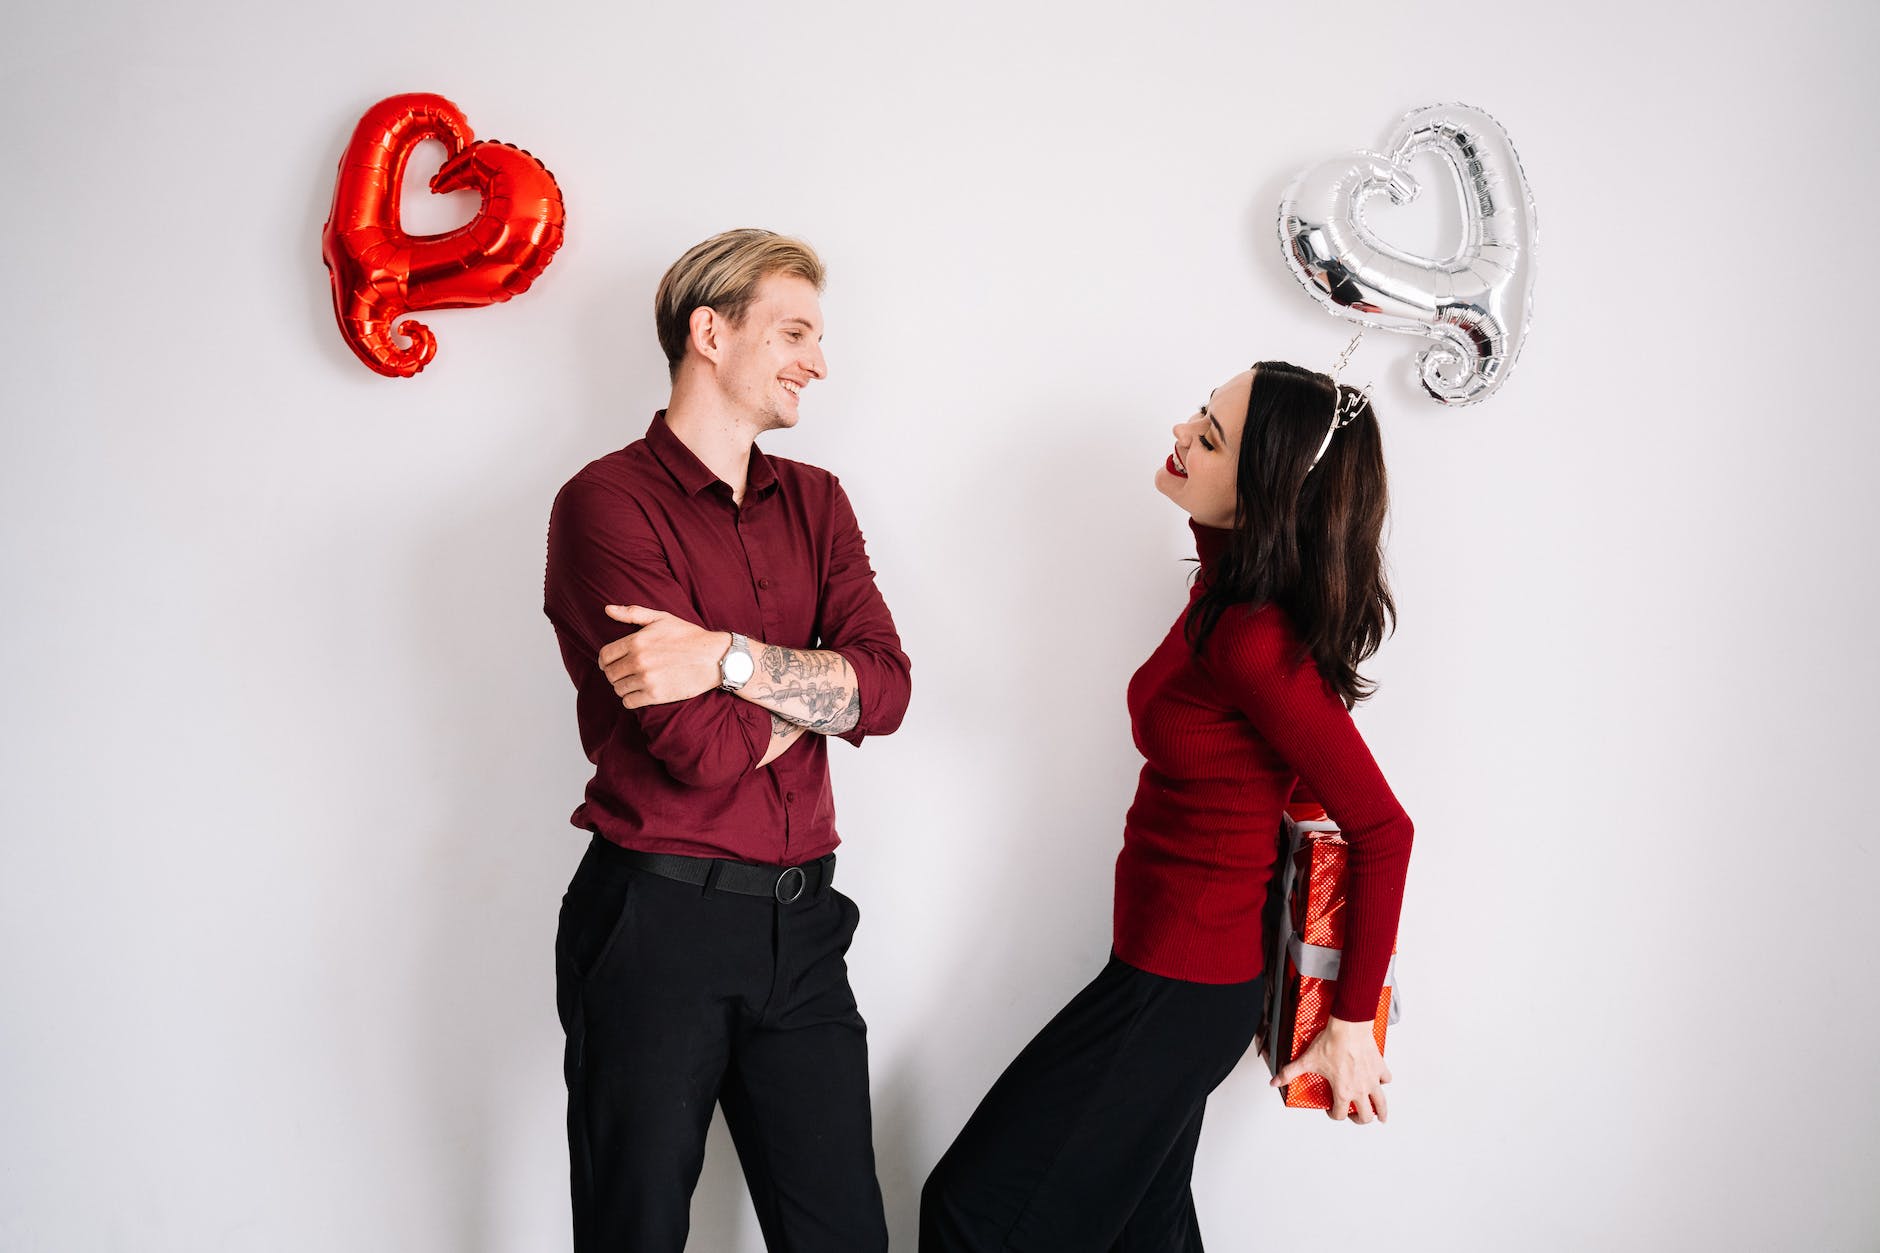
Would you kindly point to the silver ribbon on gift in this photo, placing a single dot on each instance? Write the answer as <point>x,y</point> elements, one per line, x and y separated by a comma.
<point>1314,961</point>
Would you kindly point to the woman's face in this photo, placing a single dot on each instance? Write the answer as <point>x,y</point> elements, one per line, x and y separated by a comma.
<point>1200,474</point>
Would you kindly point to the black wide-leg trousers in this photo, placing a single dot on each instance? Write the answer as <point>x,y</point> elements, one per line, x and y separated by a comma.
<point>1086,1144</point>
<point>678,998</point>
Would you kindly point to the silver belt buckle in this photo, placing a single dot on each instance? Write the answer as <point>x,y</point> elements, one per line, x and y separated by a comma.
<point>802,882</point>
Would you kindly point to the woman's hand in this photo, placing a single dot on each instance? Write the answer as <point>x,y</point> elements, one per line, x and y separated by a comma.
<point>1345,1055</point>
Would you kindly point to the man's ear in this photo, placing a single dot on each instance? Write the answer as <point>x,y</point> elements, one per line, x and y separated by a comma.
<point>703,330</point>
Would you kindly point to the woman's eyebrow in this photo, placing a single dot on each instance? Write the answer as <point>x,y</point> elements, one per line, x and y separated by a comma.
<point>1218,429</point>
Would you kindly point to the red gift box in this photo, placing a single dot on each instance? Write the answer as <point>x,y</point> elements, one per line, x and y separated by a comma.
<point>1303,948</point>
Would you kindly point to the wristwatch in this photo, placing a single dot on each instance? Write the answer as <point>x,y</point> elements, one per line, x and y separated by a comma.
<point>735,667</point>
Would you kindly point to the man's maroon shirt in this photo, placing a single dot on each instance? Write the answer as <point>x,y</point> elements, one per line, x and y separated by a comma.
<point>651,525</point>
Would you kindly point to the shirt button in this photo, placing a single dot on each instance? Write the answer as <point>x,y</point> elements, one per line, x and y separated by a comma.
<point>764,583</point>
<point>789,798</point>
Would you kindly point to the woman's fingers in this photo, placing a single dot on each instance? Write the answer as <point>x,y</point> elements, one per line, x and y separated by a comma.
<point>1351,1103</point>
<point>1344,1095</point>
<point>1357,1093</point>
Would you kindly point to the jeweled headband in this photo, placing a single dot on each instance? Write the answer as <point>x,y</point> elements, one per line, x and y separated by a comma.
<point>1347,402</point>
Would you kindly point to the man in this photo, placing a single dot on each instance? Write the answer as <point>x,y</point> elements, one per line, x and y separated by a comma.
<point>699,958</point>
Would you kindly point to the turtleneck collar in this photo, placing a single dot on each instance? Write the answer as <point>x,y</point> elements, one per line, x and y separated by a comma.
<point>1210,543</point>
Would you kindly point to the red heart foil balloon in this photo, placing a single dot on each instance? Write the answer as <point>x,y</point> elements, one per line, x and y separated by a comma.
<point>380,273</point>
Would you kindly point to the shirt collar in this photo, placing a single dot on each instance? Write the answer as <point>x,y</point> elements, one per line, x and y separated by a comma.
<point>693,475</point>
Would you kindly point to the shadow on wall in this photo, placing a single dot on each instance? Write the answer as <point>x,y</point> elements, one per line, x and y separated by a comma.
<point>500,713</point>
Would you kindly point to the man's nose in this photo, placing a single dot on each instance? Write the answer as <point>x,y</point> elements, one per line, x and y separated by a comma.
<point>816,364</point>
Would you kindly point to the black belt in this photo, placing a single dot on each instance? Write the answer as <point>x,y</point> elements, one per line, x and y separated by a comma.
<point>781,883</point>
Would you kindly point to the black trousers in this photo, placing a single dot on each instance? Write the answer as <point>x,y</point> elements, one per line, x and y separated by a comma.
<point>677,998</point>
<point>1086,1143</point>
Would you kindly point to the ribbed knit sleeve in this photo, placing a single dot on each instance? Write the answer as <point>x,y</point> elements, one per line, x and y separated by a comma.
<point>1252,659</point>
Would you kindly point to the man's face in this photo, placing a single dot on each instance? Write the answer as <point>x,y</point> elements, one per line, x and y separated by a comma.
<point>771,356</point>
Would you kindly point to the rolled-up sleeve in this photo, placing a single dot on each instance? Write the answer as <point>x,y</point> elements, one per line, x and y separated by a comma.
<point>602,551</point>
<point>855,622</point>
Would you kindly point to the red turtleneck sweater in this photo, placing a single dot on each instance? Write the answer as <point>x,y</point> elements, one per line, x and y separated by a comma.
<point>1225,738</point>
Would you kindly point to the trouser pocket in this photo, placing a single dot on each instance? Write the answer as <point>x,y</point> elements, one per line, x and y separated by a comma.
<point>594,911</point>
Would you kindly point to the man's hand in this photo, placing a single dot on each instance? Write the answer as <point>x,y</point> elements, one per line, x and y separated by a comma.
<point>1345,1055</point>
<point>668,659</point>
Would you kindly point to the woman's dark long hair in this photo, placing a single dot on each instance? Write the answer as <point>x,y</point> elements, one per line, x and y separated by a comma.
<point>1306,539</point>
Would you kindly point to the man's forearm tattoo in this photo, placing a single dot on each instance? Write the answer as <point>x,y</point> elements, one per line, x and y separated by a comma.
<point>780,726</point>
<point>810,685</point>
<point>789,663</point>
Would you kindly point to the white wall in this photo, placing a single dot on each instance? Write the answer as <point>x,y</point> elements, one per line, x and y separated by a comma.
<point>288,750</point>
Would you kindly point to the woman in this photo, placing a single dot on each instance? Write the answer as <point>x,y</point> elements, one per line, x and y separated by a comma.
<point>1087,1141</point>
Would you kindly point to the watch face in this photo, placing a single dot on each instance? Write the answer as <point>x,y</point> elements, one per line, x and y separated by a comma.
<point>738,666</point>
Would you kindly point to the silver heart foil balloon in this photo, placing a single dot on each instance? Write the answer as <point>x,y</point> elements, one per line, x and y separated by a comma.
<point>1476,304</point>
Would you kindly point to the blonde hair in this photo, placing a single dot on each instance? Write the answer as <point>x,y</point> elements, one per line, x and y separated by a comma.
<point>722,274</point>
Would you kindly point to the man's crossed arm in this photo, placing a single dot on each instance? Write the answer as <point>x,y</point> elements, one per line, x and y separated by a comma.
<point>669,659</point>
